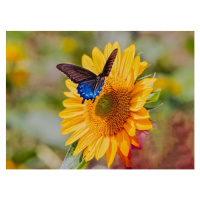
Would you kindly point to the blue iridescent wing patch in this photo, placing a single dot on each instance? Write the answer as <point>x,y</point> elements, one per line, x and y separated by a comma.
<point>98,88</point>
<point>86,89</point>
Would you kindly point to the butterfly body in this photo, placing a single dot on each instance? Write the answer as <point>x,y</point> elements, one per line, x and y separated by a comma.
<point>89,84</point>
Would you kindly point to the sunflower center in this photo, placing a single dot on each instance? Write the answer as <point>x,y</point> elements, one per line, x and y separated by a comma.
<point>104,105</point>
<point>107,115</point>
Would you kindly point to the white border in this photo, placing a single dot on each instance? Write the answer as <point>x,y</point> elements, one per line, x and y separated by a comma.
<point>98,15</point>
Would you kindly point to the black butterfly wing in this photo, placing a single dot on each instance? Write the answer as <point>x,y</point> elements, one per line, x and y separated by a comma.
<point>87,80</point>
<point>108,66</point>
<point>86,89</point>
<point>99,87</point>
<point>75,73</point>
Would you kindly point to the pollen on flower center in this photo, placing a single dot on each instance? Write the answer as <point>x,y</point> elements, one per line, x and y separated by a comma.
<point>106,116</point>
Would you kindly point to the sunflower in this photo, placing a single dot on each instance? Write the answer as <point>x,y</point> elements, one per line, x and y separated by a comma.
<point>108,126</point>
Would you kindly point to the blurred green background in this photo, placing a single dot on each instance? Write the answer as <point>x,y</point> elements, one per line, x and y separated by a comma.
<point>34,95</point>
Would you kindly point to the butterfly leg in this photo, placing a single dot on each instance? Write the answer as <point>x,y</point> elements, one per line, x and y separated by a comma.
<point>83,101</point>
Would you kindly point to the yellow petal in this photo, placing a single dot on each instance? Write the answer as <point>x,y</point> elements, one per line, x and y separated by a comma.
<point>91,150</point>
<point>117,63</point>
<point>112,150</point>
<point>131,78</point>
<point>140,114</point>
<point>135,69</point>
<point>102,147</point>
<point>143,66</point>
<point>107,50</point>
<point>146,81</point>
<point>137,103</point>
<point>124,142</point>
<point>98,144</point>
<point>143,124</point>
<point>130,82</point>
<point>143,88</point>
<point>70,129</point>
<point>73,102</point>
<point>69,113</point>
<point>90,153</point>
<point>144,94</point>
<point>125,159</point>
<point>127,61</point>
<point>88,64</point>
<point>98,59</point>
<point>85,141</point>
<point>71,86</point>
<point>85,153</point>
<point>73,106</point>
<point>129,126</point>
<point>143,84</point>
<point>72,121</point>
<point>70,94</point>
<point>134,140</point>
<point>76,135</point>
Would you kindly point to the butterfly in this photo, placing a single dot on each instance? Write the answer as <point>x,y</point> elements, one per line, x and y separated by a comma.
<point>89,84</point>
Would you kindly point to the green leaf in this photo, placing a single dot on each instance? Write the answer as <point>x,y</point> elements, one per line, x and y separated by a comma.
<point>73,162</point>
<point>83,165</point>
<point>148,107</point>
<point>154,96</point>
